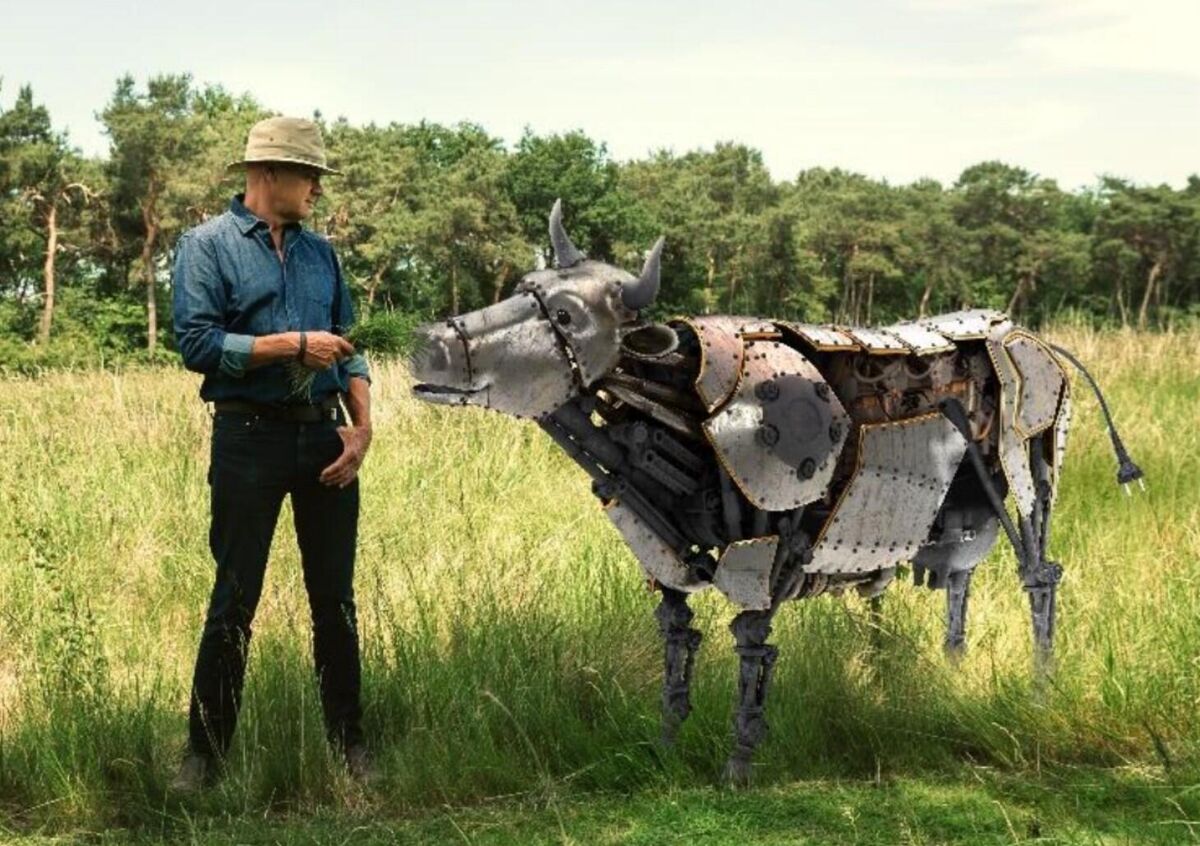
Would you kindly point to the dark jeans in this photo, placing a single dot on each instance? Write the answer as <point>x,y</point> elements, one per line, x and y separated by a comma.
<point>255,462</point>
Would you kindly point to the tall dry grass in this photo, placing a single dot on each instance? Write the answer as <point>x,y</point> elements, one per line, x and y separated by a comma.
<point>509,645</point>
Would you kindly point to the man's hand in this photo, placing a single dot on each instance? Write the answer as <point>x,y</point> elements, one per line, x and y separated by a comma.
<point>355,442</point>
<point>324,349</point>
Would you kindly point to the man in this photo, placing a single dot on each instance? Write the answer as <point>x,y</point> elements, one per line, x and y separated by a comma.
<point>259,304</point>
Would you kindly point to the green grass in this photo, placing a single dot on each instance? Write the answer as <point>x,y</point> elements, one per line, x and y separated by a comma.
<point>512,662</point>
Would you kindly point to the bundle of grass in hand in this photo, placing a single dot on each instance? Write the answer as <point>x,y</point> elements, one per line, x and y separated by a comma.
<point>385,333</point>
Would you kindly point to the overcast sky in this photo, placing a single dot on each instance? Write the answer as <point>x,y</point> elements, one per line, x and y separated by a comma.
<point>899,89</point>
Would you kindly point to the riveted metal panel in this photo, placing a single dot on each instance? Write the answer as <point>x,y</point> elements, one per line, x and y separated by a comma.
<point>744,572</point>
<point>823,338</point>
<point>877,342</point>
<point>1041,382</point>
<point>754,326</point>
<point>972,324</point>
<point>780,434</point>
<point>659,562</point>
<point>1062,423</point>
<point>904,470</point>
<point>919,339</point>
<point>720,357</point>
<point>1013,450</point>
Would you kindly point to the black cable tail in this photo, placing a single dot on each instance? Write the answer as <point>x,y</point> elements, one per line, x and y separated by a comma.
<point>1127,471</point>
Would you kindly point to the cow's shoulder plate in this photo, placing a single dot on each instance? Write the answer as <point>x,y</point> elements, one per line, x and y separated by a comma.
<point>721,347</point>
<point>780,433</point>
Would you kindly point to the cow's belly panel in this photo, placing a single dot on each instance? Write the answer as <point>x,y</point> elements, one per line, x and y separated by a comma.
<point>903,472</point>
<point>658,561</point>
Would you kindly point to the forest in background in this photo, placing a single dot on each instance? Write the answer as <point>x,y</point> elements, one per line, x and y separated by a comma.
<point>430,220</point>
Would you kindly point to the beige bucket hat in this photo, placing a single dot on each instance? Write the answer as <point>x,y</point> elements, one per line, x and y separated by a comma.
<point>285,139</point>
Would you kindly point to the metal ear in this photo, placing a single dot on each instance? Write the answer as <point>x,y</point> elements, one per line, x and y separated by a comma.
<point>565,253</point>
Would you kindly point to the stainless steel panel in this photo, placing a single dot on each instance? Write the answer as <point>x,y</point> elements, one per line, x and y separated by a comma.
<point>972,324</point>
<point>1042,381</point>
<point>1014,452</point>
<point>1062,424</point>
<point>720,358</point>
<point>877,342</point>
<point>780,434</point>
<point>659,562</point>
<point>824,338</point>
<point>744,572</point>
<point>919,339</point>
<point>903,471</point>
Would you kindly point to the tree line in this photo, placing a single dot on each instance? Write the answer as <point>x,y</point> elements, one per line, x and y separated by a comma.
<point>431,220</point>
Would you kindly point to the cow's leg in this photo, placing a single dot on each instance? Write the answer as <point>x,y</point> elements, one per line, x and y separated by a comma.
<point>1040,576</point>
<point>757,661</point>
<point>958,591</point>
<point>680,644</point>
<point>965,531</point>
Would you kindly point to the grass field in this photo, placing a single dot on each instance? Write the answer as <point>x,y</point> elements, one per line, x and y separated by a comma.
<point>512,662</point>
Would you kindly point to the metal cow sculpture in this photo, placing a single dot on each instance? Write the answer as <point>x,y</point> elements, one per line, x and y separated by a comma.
<point>775,460</point>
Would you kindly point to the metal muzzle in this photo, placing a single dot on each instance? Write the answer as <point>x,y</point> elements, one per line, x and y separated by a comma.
<point>506,357</point>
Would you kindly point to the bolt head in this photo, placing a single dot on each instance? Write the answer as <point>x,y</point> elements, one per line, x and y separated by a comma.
<point>767,435</point>
<point>767,391</point>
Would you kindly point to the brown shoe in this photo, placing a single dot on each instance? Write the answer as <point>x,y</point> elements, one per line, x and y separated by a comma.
<point>195,773</point>
<point>360,765</point>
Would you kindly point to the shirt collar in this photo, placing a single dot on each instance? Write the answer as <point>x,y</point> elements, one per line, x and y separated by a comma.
<point>247,221</point>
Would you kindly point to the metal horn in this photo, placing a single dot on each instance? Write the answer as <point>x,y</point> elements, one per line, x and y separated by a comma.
<point>642,291</point>
<point>565,253</point>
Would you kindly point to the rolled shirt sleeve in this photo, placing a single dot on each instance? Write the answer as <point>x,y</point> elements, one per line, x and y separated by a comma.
<point>198,305</point>
<point>235,354</point>
<point>356,367</point>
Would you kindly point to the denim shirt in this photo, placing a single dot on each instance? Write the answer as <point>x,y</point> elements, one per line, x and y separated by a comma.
<point>229,286</point>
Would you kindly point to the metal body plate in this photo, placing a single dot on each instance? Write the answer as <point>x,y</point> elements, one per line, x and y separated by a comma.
<point>919,339</point>
<point>720,357</point>
<point>752,326</point>
<point>1062,423</point>
<point>877,342</point>
<point>1013,450</point>
<point>823,338</point>
<point>903,472</point>
<point>780,434</point>
<point>659,562</point>
<point>744,572</point>
<point>972,324</point>
<point>1042,379</point>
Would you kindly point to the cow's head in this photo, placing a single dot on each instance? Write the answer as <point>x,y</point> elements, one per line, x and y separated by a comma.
<point>560,332</point>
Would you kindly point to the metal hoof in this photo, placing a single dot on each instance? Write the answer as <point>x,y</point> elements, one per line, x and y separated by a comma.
<point>737,774</point>
<point>954,652</point>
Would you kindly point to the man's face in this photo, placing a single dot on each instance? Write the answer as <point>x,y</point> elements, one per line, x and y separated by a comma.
<point>294,191</point>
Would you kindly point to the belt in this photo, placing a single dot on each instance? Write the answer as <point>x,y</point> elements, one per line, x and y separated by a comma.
<point>314,413</point>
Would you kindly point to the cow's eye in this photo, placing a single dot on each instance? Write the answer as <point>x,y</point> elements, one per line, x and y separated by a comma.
<point>563,317</point>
